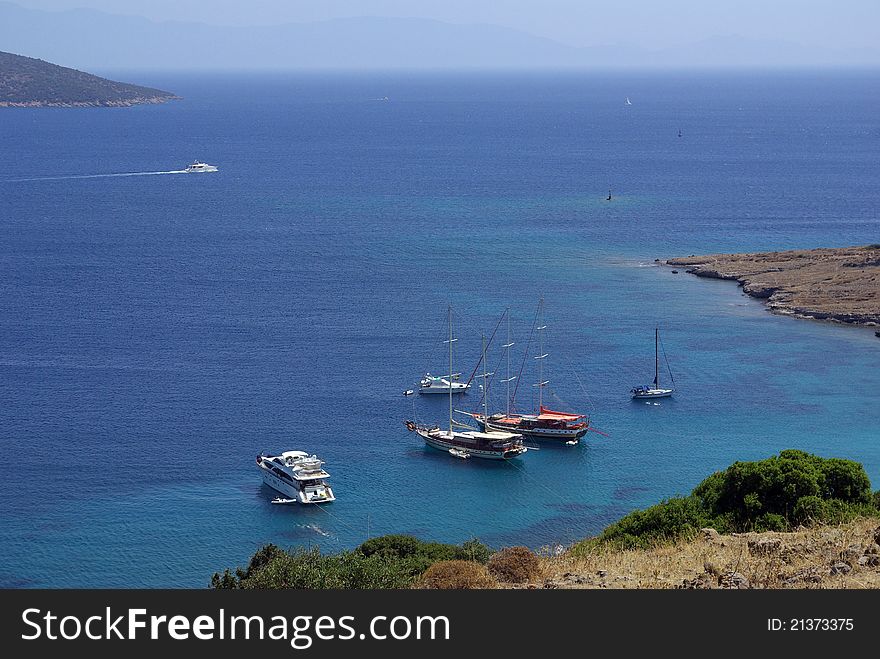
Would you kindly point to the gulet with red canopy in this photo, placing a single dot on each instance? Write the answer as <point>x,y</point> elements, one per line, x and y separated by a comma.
<point>547,424</point>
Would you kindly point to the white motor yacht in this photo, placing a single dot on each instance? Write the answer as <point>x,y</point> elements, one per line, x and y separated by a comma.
<point>200,167</point>
<point>296,475</point>
<point>442,384</point>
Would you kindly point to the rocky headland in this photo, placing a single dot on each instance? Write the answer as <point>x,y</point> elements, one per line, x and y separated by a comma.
<point>26,82</point>
<point>835,284</point>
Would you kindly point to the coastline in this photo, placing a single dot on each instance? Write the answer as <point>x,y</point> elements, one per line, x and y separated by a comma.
<point>115,103</point>
<point>832,284</point>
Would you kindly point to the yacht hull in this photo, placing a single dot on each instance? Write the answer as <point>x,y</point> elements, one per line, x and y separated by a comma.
<point>653,393</point>
<point>548,434</point>
<point>440,441</point>
<point>291,491</point>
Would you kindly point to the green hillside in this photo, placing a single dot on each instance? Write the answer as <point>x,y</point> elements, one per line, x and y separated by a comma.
<point>29,82</point>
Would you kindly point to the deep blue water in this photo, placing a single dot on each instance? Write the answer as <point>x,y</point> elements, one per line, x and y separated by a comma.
<point>157,332</point>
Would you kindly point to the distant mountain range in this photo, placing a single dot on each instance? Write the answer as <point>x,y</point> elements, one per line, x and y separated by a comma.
<point>28,82</point>
<point>98,40</point>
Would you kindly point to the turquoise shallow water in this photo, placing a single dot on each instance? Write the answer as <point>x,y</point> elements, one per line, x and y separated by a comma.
<point>156,332</point>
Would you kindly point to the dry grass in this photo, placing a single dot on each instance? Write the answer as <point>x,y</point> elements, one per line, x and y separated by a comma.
<point>456,575</point>
<point>802,559</point>
<point>515,565</point>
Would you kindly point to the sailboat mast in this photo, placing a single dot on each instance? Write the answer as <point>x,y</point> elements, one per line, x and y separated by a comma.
<point>541,358</point>
<point>540,329</point>
<point>485,380</point>
<point>508,362</point>
<point>449,381</point>
<point>657,357</point>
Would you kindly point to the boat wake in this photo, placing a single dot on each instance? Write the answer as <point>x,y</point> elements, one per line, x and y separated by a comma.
<point>79,176</point>
<point>317,529</point>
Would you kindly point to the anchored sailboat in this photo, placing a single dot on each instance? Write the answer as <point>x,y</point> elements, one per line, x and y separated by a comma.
<point>547,424</point>
<point>654,390</point>
<point>491,445</point>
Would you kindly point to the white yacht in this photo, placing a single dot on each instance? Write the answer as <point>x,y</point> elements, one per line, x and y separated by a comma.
<point>442,384</point>
<point>200,167</point>
<point>296,475</point>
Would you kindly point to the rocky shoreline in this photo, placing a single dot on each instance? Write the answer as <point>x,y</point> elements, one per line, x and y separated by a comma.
<point>117,103</point>
<point>834,284</point>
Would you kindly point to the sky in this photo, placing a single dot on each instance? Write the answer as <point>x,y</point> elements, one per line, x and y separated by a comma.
<point>830,24</point>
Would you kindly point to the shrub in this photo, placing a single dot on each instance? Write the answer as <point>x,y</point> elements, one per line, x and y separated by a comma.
<point>809,510</point>
<point>456,575</point>
<point>514,565</point>
<point>747,492</point>
<point>667,521</point>
<point>768,495</point>
<point>392,561</point>
<point>407,546</point>
<point>273,568</point>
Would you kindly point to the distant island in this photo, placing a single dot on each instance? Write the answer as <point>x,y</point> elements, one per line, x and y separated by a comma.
<point>837,284</point>
<point>26,82</point>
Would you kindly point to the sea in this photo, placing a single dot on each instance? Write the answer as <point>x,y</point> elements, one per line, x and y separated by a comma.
<point>159,330</point>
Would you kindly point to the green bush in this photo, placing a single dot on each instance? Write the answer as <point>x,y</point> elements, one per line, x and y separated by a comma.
<point>664,522</point>
<point>747,492</point>
<point>775,494</point>
<point>392,561</point>
<point>309,569</point>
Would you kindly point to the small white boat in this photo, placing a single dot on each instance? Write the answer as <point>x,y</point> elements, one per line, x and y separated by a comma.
<point>459,453</point>
<point>572,442</point>
<point>627,101</point>
<point>408,392</point>
<point>197,167</point>
<point>281,501</point>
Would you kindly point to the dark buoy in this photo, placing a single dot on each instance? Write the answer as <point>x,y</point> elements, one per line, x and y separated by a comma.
<point>609,195</point>
<point>675,272</point>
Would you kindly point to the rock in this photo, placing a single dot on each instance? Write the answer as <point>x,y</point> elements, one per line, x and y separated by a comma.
<point>807,575</point>
<point>733,580</point>
<point>841,568</point>
<point>709,535</point>
<point>877,535</point>
<point>869,560</point>
<point>765,546</point>
<point>602,574</point>
<point>711,568</point>
<point>851,554</point>
<point>700,582</point>
<point>549,585</point>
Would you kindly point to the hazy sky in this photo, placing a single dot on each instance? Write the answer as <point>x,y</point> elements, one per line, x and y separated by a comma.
<point>647,23</point>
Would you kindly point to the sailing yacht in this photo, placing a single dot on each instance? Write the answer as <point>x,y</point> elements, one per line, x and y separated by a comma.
<point>654,390</point>
<point>547,424</point>
<point>461,444</point>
